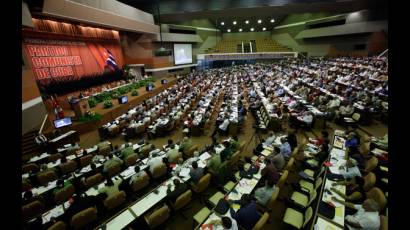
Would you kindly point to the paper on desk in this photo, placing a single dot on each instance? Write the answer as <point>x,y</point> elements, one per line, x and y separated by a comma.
<point>204,156</point>
<point>184,172</point>
<point>121,220</point>
<point>201,164</point>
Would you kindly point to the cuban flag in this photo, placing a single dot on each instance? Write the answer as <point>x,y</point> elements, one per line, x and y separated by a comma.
<point>110,60</point>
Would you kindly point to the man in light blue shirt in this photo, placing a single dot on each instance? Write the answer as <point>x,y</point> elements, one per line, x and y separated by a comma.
<point>270,139</point>
<point>264,194</point>
<point>285,149</point>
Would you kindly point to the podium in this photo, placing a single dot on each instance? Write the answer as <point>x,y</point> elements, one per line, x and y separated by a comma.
<point>80,107</point>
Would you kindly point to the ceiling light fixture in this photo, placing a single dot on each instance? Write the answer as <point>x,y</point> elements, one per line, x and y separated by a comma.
<point>229,30</point>
<point>259,21</point>
<point>272,20</point>
<point>247,21</point>
<point>263,28</point>
<point>240,30</point>
<point>222,23</point>
<point>234,22</point>
<point>252,29</point>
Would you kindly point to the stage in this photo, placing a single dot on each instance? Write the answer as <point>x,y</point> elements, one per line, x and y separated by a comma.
<point>110,113</point>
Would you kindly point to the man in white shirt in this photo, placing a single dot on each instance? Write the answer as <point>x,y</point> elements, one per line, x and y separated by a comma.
<point>224,125</point>
<point>154,162</point>
<point>366,217</point>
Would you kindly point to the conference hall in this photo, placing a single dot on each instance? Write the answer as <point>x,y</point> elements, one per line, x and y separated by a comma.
<point>206,114</point>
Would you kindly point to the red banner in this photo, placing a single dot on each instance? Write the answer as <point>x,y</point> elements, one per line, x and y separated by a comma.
<point>59,58</point>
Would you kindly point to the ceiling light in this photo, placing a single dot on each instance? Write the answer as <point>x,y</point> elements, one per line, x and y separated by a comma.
<point>222,23</point>
<point>263,28</point>
<point>234,22</point>
<point>247,21</point>
<point>272,20</point>
<point>229,30</point>
<point>240,30</point>
<point>259,21</point>
<point>252,29</point>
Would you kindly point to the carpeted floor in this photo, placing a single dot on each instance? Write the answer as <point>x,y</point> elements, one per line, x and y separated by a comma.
<point>247,134</point>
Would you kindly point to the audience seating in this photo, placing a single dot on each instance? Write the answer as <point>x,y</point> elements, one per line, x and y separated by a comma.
<point>140,183</point>
<point>44,177</point>
<point>114,169</point>
<point>182,201</point>
<point>115,200</point>
<point>68,167</point>
<point>63,194</point>
<point>190,152</point>
<point>214,199</point>
<point>311,185</point>
<point>174,159</point>
<point>31,167</point>
<point>93,180</point>
<point>59,225</point>
<point>303,198</point>
<point>159,171</point>
<point>84,218</point>
<point>200,217</point>
<point>157,217</point>
<point>297,219</point>
<point>377,195</point>
<point>271,202</point>
<point>369,181</point>
<point>86,160</point>
<point>282,179</point>
<point>131,159</point>
<point>32,210</point>
<point>371,164</point>
<point>104,151</point>
<point>54,157</point>
<point>261,222</point>
<point>232,163</point>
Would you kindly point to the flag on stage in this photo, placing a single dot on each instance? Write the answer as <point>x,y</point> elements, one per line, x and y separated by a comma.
<point>110,60</point>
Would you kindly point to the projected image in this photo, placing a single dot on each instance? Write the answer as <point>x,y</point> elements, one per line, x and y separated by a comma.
<point>182,54</point>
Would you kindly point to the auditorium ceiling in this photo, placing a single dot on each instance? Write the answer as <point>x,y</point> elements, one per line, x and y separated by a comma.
<point>173,11</point>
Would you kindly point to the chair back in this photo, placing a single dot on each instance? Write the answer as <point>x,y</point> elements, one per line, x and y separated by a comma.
<point>312,196</point>
<point>69,166</point>
<point>318,182</point>
<point>157,217</point>
<point>60,225</point>
<point>32,210</point>
<point>369,181</point>
<point>140,129</point>
<point>377,195</point>
<point>25,185</point>
<point>174,159</point>
<point>83,218</point>
<point>115,200</point>
<point>202,184</point>
<point>182,200</point>
<point>47,176</point>
<point>115,130</point>
<point>371,164</point>
<point>261,222</point>
<point>282,179</point>
<point>234,159</point>
<point>159,171</point>
<point>113,169</point>
<point>104,151</point>
<point>383,222</point>
<point>86,160</point>
<point>356,116</point>
<point>63,194</point>
<point>54,157</point>
<point>31,167</point>
<point>242,146</point>
<point>131,159</point>
<point>308,216</point>
<point>290,163</point>
<point>190,152</point>
<point>272,200</point>
<point>140,183</point>
<point>93,180</point>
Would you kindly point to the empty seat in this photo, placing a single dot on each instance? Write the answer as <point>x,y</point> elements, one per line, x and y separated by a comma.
<point>69,166</point>
<point>31,167</point>
<point>63,194</point>
<point>84,218</point>
<point>86,160</point>
<point>44,177</point>
<point>32,210</point>
<point>115,200</point>
<point>60,225</point>
<point>93,180</point>
<point>157,217</point>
